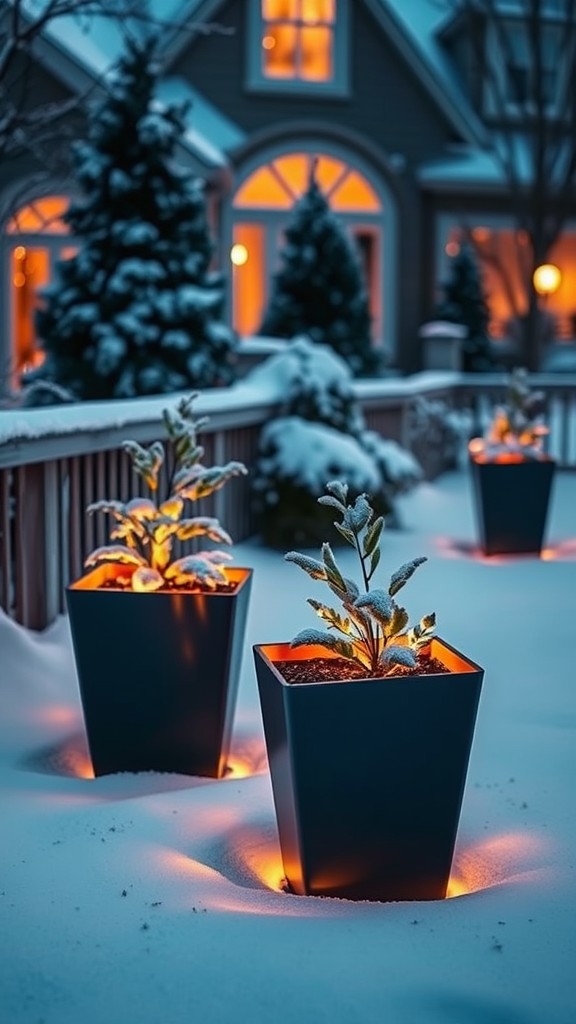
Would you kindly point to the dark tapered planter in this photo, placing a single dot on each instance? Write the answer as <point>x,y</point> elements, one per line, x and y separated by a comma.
<point>511,502</point>
<point>158,673</point>
<point>368,775</point>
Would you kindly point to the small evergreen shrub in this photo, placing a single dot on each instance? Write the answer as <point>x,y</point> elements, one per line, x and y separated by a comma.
<point>319,290</point>
<point>464,303</point>
<point>517,428</point>
<point>148,528</point>
<point>372,630</point>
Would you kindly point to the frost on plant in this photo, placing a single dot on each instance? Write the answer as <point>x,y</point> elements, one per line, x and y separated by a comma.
<point>371,630</point>
<point>146,528</point>
<point>517,427</point>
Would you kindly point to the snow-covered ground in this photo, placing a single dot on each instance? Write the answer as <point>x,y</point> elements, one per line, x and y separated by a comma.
<point>155,898</point>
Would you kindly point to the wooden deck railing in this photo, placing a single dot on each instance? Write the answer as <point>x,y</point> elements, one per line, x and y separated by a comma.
<point>55,461</point>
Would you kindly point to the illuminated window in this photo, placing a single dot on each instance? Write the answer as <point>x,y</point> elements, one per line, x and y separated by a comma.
<point>503,256</point>
<point>262,207</point>
<point>37,239</point>
<point>298,44</point>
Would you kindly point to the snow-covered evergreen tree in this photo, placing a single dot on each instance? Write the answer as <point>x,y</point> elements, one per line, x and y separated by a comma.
<point>136,310</point>
<point>465,303</point>
<point>319,290</point>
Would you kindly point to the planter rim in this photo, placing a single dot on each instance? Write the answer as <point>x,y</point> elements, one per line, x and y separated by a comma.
<point>522,461</point>
<point>91,581</point>
<point>462,664</point>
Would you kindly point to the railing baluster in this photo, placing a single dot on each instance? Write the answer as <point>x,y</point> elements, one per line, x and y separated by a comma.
<point>6,521</point>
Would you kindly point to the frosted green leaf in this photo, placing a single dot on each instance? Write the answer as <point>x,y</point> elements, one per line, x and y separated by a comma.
<point>396,655</point>
<point>310,637</point>
<point>312,566</point>
<point>378,604</point>
<point>338,489</point>
<point>403,574</point>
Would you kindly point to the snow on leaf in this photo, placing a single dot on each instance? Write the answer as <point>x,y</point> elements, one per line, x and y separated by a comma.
<point>312,566</point>
<point>203,526</point>
<point>396,655</point>
<point>195,568</point>
<point>115,553</point>
<point>327,499</point>
<point>142,508</point>
<point>117,508</point>
<point>361,513</point>
<point>310,637</point>
<point>403,574</point>
<point>338,489</point>
<point>146,579</point>
<point>379,605</point>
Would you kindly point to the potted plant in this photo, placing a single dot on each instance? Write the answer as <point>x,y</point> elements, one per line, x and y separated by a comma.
<point>512,474</point>
<point>368,727</point>
<point>157,639</point>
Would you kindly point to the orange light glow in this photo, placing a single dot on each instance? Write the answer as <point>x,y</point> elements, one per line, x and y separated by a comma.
<point>509,857</point>
<point>248,758</point>
<point>57,714</point>
<point>268,42</point>
<point>19,252</point>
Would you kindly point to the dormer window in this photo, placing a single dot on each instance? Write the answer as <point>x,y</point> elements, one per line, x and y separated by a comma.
<point>298,46</point>
<point>512,87</point>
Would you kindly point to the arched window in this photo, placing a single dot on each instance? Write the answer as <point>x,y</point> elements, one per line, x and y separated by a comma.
<point>36,240</point>
<point>261,209</point>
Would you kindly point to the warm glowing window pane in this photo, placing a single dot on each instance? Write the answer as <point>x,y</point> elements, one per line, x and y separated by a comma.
<point>295,170</point>
<point>354,194</point>
<point>316,54</point>
<point>279,51</point>
<point>39,216</point>
<point>328,171</point>
<point>279,9</point>
<point>248,279</point>
<point>262,190</point>
<point>30,269</point>
<point>318,10</point>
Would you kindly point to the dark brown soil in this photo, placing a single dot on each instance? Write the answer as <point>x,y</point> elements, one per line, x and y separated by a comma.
<point>124,583</point>
<point>324,670</point>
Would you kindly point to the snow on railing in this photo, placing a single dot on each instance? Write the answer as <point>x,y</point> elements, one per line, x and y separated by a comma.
<point>54,461</point>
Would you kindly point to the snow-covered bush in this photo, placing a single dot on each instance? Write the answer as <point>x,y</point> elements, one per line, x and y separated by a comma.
<point>319,436</point>
<point>435,433</point>
<point>136,310</point>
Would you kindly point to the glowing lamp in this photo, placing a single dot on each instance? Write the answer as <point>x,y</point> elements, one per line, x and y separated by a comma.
<point>238,255</point>
<point>546,278</point>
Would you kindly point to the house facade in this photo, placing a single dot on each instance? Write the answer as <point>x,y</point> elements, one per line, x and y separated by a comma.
<point>381,97</point>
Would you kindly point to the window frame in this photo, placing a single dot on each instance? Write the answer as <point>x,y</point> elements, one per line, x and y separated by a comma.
<point>256,81</point>
<point>503,70</point>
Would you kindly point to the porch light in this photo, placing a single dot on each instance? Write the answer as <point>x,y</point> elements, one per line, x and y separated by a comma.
<point>238,254</point>
<point>547,278</point>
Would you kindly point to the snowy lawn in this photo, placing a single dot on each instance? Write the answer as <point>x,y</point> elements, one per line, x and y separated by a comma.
<point>155,898</point>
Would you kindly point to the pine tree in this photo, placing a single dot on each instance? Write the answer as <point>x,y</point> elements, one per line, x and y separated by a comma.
<point>464,303</point>
<point>319,290</point>
<point>136,310</point>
